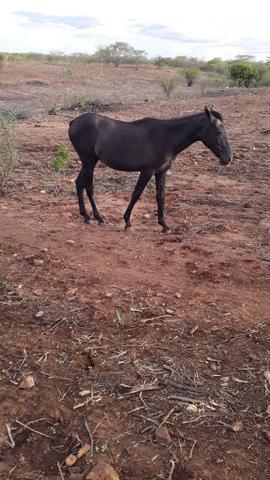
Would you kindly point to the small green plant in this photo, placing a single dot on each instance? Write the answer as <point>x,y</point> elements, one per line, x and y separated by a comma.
<point>76,102</point>
<point>61,159</point>
<point>8,154</point>
<point>52,110</point>
<point>168,85</point>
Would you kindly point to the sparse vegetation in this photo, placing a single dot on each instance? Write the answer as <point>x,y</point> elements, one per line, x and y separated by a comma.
<point>8,154</point>
<point>52,110</point>
<point>168,85</point>
<point>61,159</point>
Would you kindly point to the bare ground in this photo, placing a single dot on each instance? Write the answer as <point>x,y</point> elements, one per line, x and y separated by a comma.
<point>168,330</point>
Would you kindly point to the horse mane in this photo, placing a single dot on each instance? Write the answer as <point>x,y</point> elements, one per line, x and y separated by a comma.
<point>217,115</point>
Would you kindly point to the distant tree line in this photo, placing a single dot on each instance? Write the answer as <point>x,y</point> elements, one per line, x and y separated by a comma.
<point>244,70</point>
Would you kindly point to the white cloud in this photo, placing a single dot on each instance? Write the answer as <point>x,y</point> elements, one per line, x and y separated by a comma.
<point>203,29</point>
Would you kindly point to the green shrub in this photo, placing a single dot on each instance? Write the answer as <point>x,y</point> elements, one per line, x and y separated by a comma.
<point>191,74</point>
<point>243,74</point>
<point>8,155</point>
<point>61,158</point>
<point>52,110</point>
<point>168,85</point>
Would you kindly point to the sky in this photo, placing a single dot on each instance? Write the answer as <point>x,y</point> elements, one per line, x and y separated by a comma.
<point>197,28</point>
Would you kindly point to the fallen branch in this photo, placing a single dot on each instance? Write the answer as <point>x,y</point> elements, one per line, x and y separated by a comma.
<point>32,429</point>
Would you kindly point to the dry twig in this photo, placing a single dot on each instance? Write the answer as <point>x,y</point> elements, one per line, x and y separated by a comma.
<point>171,470</point>
<point>11,443</point>
<point>32,429</point>
<point>90,435</point>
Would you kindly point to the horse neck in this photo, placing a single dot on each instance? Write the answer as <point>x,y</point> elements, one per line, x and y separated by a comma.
<point>182,132</point>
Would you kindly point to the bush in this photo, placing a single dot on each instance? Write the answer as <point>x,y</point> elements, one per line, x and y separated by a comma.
<point>168,85</point>
<point>61,159</point>
<point>191,74</point>
<point>243,74</point>
<point>52,110</point>
<point>8,155</point>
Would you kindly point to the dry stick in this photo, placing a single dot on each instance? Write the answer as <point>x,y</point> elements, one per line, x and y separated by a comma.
<point>167,416</point>
<point>190,400</point>
<point>178,385</point>
<point>90,435</point>
<point>143,388</point>
<point>11,443</point>
<point>32,429</point>
<point>56,324</point>
<point>171,470</point>
<point>145,320</point>
<point>60,471</point>
<point>192,448</point>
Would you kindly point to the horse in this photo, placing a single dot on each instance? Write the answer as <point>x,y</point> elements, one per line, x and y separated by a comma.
<point>147,145</point>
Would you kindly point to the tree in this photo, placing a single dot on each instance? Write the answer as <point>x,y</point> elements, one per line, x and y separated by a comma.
<point>243,74</point>
<point>119,52</point>
<point>103,54</point>
<point>191,74</point>
<point>160,62</point>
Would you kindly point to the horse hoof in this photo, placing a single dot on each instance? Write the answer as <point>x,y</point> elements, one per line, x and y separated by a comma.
<point>101,223</point>
<point>87,221</point>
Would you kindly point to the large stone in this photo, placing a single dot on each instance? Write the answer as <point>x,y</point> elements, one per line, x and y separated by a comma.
<point>103,471</point>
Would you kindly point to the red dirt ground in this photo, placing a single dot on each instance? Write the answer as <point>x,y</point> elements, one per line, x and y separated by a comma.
<point>186,314</point>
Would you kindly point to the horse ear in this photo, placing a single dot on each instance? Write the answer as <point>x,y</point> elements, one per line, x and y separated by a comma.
<point>209,114</point>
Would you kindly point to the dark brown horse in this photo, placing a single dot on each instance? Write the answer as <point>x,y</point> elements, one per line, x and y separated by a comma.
<point>148,145</point>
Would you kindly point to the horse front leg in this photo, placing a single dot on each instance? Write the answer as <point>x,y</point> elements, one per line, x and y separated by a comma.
<point>139,188</point>
<point>160,193</point>
<point>80,186</point>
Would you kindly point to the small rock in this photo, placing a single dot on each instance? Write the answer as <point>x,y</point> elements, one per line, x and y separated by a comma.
<point>70,460</point>
<point>53,415</point>
<point>83,450</point>
<point>19,290</point>
<point>178,295</point>
<point>27,382</point>
<point>38,292</point>
<point>169,311</point>
<point>268,410</point>
<point>108,294</point>
<point>39,314</point>
<point>71,242</point>
<point>238,426</point>
<point>192,408</point>
<point>162,435</point>
<point>147,215</point>
<point>103,471</point>
<point>37,262</point>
